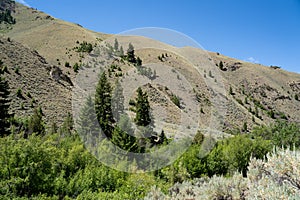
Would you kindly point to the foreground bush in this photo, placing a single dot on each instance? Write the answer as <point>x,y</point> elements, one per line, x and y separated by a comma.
<point>278,177</point>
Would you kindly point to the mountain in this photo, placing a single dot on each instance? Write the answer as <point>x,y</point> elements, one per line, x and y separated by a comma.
<point>245,94</point>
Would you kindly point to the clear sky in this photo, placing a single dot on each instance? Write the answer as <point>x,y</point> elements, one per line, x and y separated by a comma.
<point>262,31</point>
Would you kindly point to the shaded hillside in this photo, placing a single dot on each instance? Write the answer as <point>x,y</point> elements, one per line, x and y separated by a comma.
<point>31,84</point>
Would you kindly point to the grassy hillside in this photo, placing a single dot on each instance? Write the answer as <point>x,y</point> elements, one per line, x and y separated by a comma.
<point>254,94</point>
<point>31,84</point>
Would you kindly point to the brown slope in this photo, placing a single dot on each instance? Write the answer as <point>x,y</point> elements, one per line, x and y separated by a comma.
<point>29,72</point>
<point>48,35</point>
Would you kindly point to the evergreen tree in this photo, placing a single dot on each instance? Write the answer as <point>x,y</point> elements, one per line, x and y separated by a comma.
<point>121,52</point>
<point>88,124</point>
<point>67,126</point>
<point>36,123</point>
<point>123,140</point>
<point>221,66</point>
<point>139,61</point>
<point>4,107</point>
<point>142,109</point>
<point>118,101</point>
<point>130,54</point>
<point>116,45</point>
<point>103,105</point>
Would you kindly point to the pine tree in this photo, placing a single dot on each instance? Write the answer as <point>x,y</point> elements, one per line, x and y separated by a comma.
<point>142,109</point>
<point>4,107</point>
<point>123,140</point>
<point>139,61</point>
<point>118,101</point>
<point>221,66</point>
<point>130,54</point>
<point>121,53</point>
<point>88,123</point>
<point>116,45</point>
<point>67,126</point>
<point>36,123</point>
<point>103,105</point>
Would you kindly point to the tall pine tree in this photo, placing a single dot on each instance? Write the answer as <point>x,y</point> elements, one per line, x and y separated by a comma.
<point>4,107</point>
<point>142,109</point>
<point>88,124</point>
<point>130,54</point>
<point>103,105</point>
<point>118,101</point>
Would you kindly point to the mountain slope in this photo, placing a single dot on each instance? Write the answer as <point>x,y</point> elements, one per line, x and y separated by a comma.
<point>31,84</point>
<point>253,94</point>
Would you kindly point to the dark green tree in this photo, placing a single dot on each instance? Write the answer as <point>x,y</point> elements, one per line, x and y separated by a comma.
<point>4,107</point>
<point>88,125</point>
<point>124,140</point>
<point>142,109</point>
<point>130,54</point>
<point>103,105</point>
<point>36,123</point>
<point>118,101</point>
<point>116,45</point>
<point>67,126</point>
<point>139,61</point>
<point>121,52</point>
<point>221,66</point>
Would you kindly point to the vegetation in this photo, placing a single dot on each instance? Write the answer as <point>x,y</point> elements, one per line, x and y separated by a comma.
<point>103,107</point>
<point>41,162</point>
<point>130,54</point>
<point>175,99</point>
<point>5,16</point>
<point>142,108</point>
<point>84,47</point>
<point>273,178</point>
<point>53,166</point>
<point>4,107</point>
<point>76,67</point>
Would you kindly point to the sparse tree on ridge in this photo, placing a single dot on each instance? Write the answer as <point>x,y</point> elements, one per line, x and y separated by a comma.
<point>130,54</point>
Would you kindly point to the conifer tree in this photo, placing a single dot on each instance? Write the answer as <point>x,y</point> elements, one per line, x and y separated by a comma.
<point>103,105</point>
<point>121,52</point>
<point>116,45</point>
<point>139,61</point>
<point>36,123</point>
<point>130,54</point>
<point>142,109</point>
<point>4,107</point>
<point>118,101</point>
<point>123,140</point>
<point>88,124</point>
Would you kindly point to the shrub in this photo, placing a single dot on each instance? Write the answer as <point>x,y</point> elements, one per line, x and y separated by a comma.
<point>76,67</point>
<point>19,93</point>
<point>296,97</point>
<point>275,178</point>
<point>175,99</point>
<point>67,64</point>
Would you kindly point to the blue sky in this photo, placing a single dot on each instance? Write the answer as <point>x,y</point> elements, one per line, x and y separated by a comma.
<point>262,31</point>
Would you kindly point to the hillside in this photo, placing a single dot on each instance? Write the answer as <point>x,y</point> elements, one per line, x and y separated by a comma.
<point>250,94</point>
<point>31,83</point>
